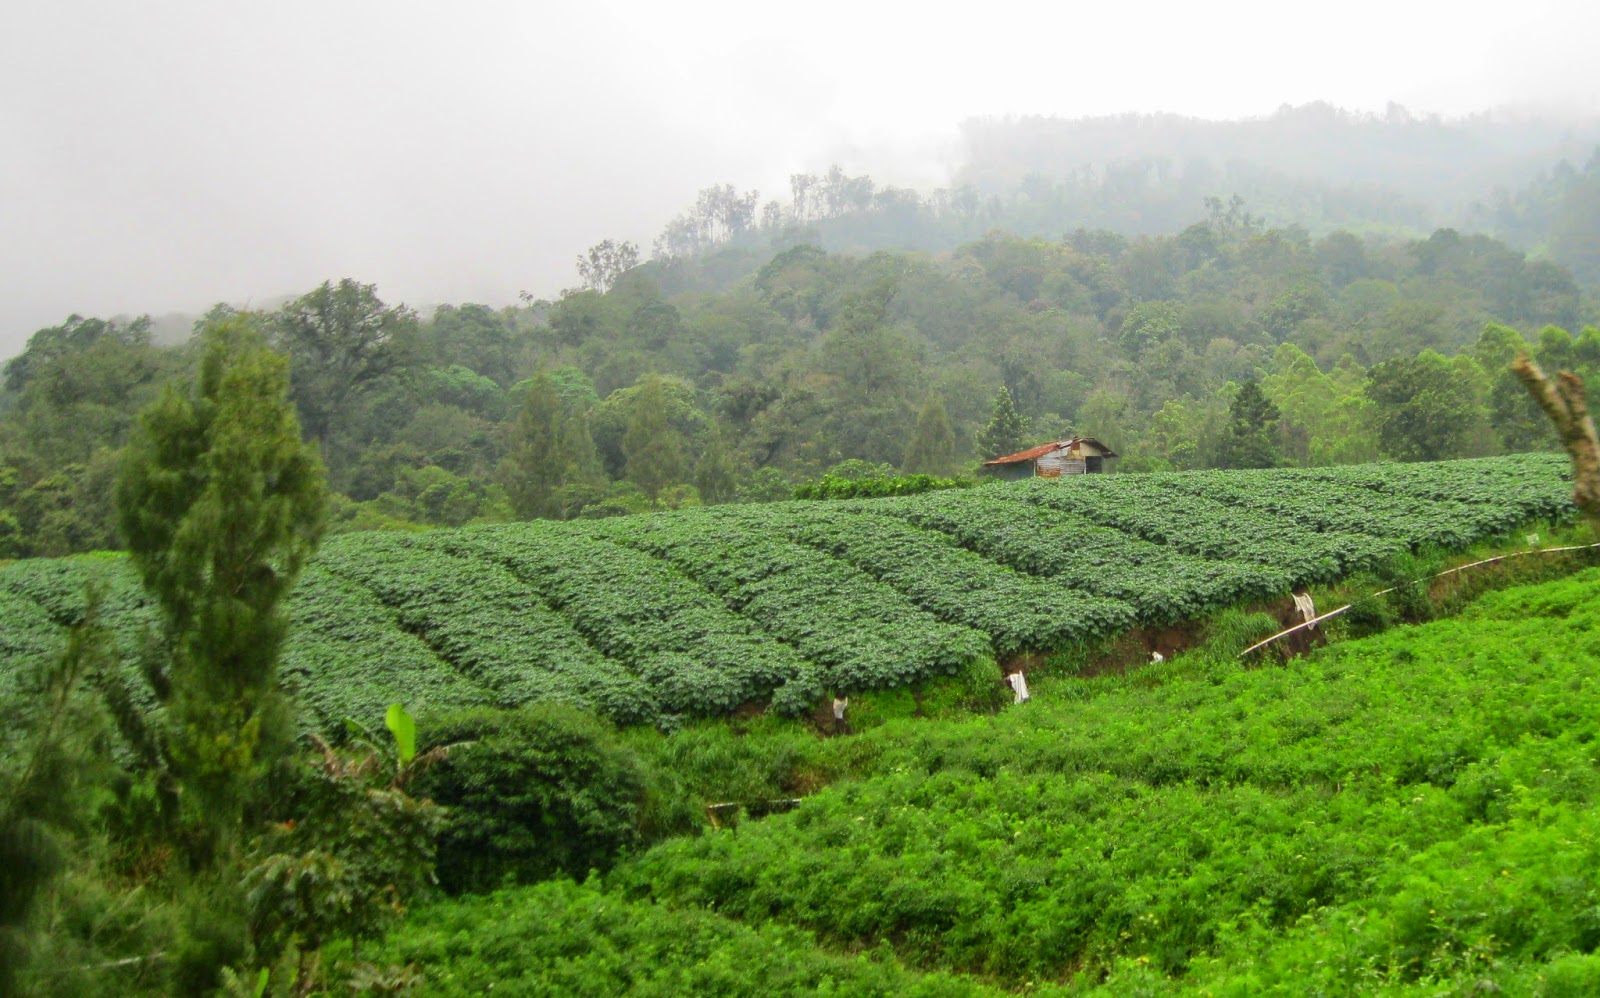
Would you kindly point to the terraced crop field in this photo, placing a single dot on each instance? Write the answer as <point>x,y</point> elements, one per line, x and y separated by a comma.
<point>648,618</point>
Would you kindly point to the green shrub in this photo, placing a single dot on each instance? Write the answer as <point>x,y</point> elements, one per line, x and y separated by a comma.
<point>978,687</point>
<point>1406,577</point>
<point>832,486</point>
<point>575,941</point>
<point>532,793</point>
<point>1367,617</point>
<point>1232,631</point>
<point>1572,977</point>
<point>868,710</point>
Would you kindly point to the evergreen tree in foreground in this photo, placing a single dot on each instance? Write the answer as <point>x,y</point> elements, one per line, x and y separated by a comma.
<point>932,450</point>
<point>221,504</point>
<point>1004,433</point>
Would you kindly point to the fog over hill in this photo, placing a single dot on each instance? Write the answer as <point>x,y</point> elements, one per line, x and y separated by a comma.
<point>167,156</point>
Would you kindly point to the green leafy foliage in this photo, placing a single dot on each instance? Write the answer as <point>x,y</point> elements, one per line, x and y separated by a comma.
<point>1135,822</point>
<point>834,487</point>
<point>331,619</point>
<point>52,756</point>
<point>1409,814</point>
<point>874,636</point>
<point>1015,609</point>
<point>359,847</point>
<point>546,942</point>
<point>531,793</point>
<point>693,652</point>
<point>404,729</point>
<point>660,617</point>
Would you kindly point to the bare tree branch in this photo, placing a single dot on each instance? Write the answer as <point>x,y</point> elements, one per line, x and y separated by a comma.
<point>1565,402</point>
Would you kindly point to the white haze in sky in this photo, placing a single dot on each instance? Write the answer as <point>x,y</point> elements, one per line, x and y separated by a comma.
<point>167,155</point>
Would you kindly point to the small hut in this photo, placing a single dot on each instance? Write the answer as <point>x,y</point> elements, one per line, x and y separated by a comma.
<point>1077,456</point>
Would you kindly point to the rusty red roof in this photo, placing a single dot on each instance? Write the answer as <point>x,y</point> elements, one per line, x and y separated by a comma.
<point>1031,454</point>
<point>1034,453</point>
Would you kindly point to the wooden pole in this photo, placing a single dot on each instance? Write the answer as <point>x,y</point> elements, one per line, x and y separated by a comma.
<point>1449,571</point>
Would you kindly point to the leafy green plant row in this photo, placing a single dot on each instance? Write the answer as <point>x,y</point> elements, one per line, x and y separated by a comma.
<point>28,636</point>
<point>1535,485</point>
<point>650,618</point>
<point>346,656</point>
<point>861,633</point>
<point>1161,511</point>
<point>1016,610</point>
<point>1162,585</point>
<point>693,652</point>
<point>488,623</point>
<point>835,487</point>
<point>60,587</point>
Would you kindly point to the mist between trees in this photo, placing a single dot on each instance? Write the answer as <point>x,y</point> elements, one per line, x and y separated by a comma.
<point>750,363</point>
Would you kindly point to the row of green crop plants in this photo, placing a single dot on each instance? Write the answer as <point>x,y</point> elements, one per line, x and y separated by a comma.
<point>656,618</point>
<point>1416,813</point>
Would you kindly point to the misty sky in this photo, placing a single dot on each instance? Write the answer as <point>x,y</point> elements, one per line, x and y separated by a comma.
<point>163,156</point>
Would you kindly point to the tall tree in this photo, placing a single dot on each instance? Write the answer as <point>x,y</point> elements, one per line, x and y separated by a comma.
<point>714,472</point>
<point>1424,413</point>
<point>579,456</point>
<point>535,466</point>
<point>932,450</point>
<point>1004,433</point>
<point>605,262</point>
<point>221,504</point>
<point>652,446</point>
<point>341,338</point>
<point>1252,429</point>
<point>49,347</point>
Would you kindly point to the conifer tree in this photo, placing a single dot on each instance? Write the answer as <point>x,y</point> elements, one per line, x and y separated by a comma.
<point>579,455</point>
<point>535,466</point>
<point>652,446</point>
<point>1004,433</point>
<point>932,450</point>
<point>714,473</point>
<point>1253,421</point>
<point>221,504</point>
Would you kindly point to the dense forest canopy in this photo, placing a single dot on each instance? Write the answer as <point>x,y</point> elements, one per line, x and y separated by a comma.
<point>1436,163</point>
<point>1312,287</point>
<point>1315,167</point>
<point>756,360</point>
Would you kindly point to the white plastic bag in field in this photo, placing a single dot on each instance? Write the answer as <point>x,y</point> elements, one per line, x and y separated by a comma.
<point>1308,609</point>
<point>1019,687</point>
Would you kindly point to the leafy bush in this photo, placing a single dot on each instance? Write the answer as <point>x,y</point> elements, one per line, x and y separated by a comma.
<point>565,940</point>
<point>531,793</point>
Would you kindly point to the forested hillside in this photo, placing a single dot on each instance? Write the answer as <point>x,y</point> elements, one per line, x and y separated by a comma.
<point>739,372</point>
<point>1315,167</point>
